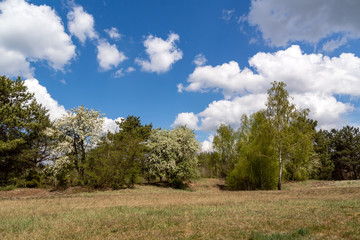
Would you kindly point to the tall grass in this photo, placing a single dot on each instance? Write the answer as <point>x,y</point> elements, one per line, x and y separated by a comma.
<point>311,210</point>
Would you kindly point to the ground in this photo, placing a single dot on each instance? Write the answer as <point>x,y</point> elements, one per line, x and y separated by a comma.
<point>302,210</point>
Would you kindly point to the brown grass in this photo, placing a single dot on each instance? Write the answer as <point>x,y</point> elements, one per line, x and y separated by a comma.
<point>303,210</point>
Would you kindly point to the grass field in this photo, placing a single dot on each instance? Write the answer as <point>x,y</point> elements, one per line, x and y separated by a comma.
<point>304,210</point>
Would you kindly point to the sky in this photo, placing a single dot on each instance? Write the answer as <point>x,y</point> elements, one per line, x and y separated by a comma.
<point>196,63</point>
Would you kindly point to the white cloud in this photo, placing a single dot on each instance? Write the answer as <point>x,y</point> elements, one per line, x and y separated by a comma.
<point>207,145</point>
<point>56,110</point>
<point>333,44</point>
<point>228,77</point>
<point>284,21</point>
<point>63,81</point>
<point>324,108</point>
<point>188,119</point>
<point>113,33</point>
<point>81,24</point>
<point>310,72</point>
<point>301,72</point>
<point>108,55</point>
<point>229,112</point>
<point>162,53</point>
<point>31,33</point>
<point>313,79</point>
<point>43,97</point>
<point>14,63</point>
<point>200,59</point>
<point>111,125</point>
<point>130,69</point>
<point>119,73</point>
<point>227,14</point>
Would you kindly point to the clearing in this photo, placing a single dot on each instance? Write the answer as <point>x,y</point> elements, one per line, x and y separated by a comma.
<point>303,210</point>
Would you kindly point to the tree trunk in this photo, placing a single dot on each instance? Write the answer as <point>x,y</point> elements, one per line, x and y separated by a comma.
<point>355,173</point>
<point>280,171</point>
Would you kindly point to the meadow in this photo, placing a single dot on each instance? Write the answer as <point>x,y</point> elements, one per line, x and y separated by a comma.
<point>302,210</point>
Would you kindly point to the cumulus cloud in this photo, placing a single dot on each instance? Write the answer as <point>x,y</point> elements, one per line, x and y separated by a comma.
<point>56,110</point>
<point>108,55</point>
<point>81,24</point>
<point>200,59</point>
<point>162,54</point>
<point>31,33</point>
<point>284,21</point>
<point>324,108</point>
<point>186,119</point>
<point>113,33</point>
<point>44,98</point>
<point>314,80</point>
<point>110,125</point>
<point>229,112</point>
<point>207,145</point>
<point>228,78</point>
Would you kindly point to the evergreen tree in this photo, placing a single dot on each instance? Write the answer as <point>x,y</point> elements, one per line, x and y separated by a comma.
<point>23,142</point>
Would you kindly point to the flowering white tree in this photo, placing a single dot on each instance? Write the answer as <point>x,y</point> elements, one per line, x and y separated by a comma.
<point>173,154</point>
<point>74,133</point>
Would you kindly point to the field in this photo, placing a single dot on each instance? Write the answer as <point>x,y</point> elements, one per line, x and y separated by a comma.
<point>303,210</point>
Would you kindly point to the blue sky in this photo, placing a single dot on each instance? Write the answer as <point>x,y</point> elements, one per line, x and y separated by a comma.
<point>199,63</point>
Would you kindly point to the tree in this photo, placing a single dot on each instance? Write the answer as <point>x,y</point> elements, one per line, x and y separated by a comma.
<point>257,163</point>
<point>77,132</point>
<point>292,129</point>
<point>345,152</point>
<point>322,144</point>
<point>173,155</point>
<point>23,142</point>
<point>224,144</point>
<point>118,159</point>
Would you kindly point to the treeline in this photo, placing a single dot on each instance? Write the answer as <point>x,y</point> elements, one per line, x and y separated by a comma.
<point>74,151</point>
<point>275,144</point>
<point>281,143</point>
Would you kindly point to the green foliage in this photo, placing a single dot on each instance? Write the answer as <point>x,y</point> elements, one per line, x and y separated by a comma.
<point>118,160</point>
<point>322,143</point>
<point>301,163</point>
<point>280,137</point>
<point>257,163</point>
<point>298,234</point>
<point>23,142</point>
<point>209,164</point>
<point>293,133</point>
<point>172,155</point>
<point>345,152</point>
<point>75,133</point>
<point>224,144</point>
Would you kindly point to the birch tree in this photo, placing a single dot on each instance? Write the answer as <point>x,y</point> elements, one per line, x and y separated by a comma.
<point>292,129</point>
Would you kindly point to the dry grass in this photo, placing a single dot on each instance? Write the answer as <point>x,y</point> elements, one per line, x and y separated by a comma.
<point>307,210</point>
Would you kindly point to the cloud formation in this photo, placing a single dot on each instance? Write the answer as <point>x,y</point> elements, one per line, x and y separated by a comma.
<point>56,110</point>
<point>113,33</point>
<point>162,54</point>
<point>108,55</point>
<point>314,80</point>
<point>31,33</point>
<point>282,22</point>
<point>43,97</point>
<point>200,59</point>
<point>81,24</point>
<point>186,119</point>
